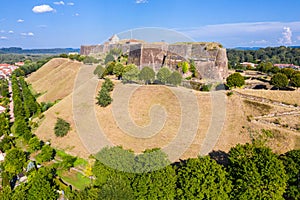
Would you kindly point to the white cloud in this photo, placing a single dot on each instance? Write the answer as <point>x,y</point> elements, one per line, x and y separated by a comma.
<point>27,34</point>
<point>259,42</point>
<point>141,1</point>
<point>20,20</point>
<point>3,38</point>
<point>59,3</point>
<point>11,32</point>
<point>76,14</point>
<point>286,36</point>
<point>42,9</point>
<point>2,31</point>
<point>70,4</point>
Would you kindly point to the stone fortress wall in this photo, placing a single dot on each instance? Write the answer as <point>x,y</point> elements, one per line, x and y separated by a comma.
<point>210,58</point>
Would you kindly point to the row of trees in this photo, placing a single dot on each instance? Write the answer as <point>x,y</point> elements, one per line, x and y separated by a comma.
<point>130,73</point>
<point>250,171</point>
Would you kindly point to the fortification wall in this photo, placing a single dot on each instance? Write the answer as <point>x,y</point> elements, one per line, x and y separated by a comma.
<point>210,58</point>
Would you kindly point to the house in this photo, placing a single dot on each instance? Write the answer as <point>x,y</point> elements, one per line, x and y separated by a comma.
<point>114,39</point>
<point>2,156</point>
<point>20,64</point>
<point>2,109</point>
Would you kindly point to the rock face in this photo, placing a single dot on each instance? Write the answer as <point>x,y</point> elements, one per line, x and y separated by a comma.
<point>210,58</point>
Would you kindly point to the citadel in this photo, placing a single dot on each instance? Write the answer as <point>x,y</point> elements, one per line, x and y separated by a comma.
<point>209,57</point>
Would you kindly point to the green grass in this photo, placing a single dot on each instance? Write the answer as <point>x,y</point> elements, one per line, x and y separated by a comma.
<point>79,163</point>
<point>76,179</point>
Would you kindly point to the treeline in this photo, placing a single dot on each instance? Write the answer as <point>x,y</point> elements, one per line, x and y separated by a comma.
<point>13,58</point>
<point>284,55</point>
<point>18,50</point>
<point>249,171</point>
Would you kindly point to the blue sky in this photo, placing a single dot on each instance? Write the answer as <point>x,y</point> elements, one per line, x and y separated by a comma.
<point>71,23</point>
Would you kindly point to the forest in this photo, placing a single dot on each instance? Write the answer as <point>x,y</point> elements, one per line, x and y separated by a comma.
<point>282,55</point>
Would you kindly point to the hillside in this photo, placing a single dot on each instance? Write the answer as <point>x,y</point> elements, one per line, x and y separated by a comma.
<point>247,112</point>
<point>55,80</point>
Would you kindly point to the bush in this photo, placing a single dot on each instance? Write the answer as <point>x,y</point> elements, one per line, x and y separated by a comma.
<point>100,71</point>
<point>279,80</point>
<point>235,80</point>
<point>175,78</point>
<point>163,74</point>
<point>295,80</point>
<point>147,74</point>
<point>34,144</point>
<point>206,88</point>
<point>131,75</point>
<point>61,127</point>
<point>103,98</point>
<point>108,84</point>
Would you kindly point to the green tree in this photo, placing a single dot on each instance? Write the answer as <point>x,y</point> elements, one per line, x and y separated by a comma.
<point>131,74</point>
<point>34,144</point>
<point>41,185</point>
<point>175,78</point>
<point>103,98</point>
<point>202,178</point>
<point>147,74</point>
<point>15,160</point>
<point>295,80</point>
<point>288,72</point>
<point>61,127</point>
<point>279,80</point>
<point>100,71</point>
<point>108,84</point>
<point>159,184</point>
<point>118,70</point>
<point>4,124</point>
<point>163,74</point>
<point>67,162</point>
<point>109,69</point>
<point>256,172</point>
<point>46,154</point>
<point>235,80</point>
<point>291,161</point>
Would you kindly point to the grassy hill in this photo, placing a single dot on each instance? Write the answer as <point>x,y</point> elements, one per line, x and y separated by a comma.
<point>55,80</point>
<point>247,113</point>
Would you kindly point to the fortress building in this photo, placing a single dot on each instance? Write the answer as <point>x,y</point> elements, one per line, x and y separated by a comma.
<point>209,57</point>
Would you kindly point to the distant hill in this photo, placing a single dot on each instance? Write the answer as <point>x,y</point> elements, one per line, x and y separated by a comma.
<point>18,50</point>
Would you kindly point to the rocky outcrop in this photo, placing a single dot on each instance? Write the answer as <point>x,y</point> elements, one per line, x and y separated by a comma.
<point>210,58</point>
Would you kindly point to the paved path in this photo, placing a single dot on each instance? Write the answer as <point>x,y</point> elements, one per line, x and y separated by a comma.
<point>218,116</point>
<point>85,118</point>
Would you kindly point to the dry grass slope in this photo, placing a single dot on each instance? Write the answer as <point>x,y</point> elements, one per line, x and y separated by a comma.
<point>55,80</point>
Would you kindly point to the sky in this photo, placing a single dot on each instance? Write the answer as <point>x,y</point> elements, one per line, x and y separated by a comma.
<point>72,23</point>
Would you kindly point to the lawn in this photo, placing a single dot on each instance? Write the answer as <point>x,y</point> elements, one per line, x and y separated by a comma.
<point>76,179</point>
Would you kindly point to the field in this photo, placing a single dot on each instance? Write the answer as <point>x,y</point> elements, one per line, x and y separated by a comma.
<point>247,113</point>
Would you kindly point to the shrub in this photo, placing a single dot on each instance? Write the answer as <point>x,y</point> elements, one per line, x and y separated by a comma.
<point>61,127</point>
<point>175,78</point>
<point>235,80</point>
<point>279,80</point>
<point>147,74</point>
<point>163,74</point>
<point>206,88</point>
<point>109,58</point>
<point>108,84</point>
<point>100,71</point>
<point>295,80</point>
<point>131,75</point>
<point>103,98</point>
